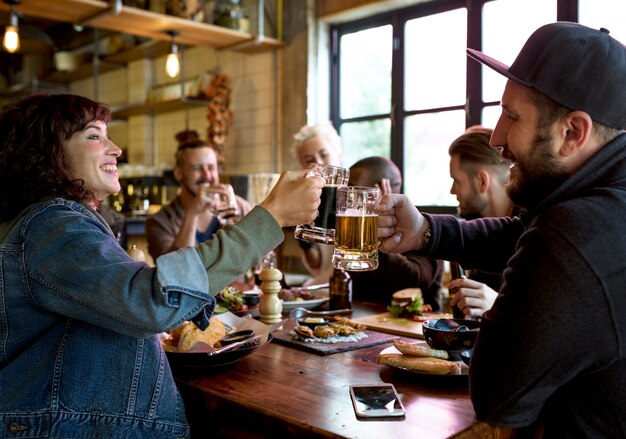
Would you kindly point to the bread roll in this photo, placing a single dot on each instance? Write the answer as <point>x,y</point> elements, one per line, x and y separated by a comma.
<point>407,295</point>
<point>419,349</point>
<point>432,365</point>
<point>191,334</point>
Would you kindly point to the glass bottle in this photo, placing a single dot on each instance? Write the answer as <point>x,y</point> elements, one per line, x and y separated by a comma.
<point>228,13</point>
<point>456,272</point>
<point>340,296</point>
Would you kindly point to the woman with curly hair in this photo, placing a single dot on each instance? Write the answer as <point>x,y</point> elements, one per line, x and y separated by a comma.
<point>79,355</point>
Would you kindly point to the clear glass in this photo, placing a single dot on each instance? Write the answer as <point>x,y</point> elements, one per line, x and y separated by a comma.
<point>426,160</point>
<point>507,24</point>
<point>365,139</point>
<point>356,231</point>
<point>365,78</point>
<point>609,14</point>
<point>435,60</point>
<point>224,203</point>
<point>322,228</point>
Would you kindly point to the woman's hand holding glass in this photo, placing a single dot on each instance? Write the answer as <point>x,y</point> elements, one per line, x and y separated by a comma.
<point>294,199</point>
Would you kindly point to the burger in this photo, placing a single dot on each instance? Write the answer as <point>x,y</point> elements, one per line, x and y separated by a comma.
<point>407,303</point>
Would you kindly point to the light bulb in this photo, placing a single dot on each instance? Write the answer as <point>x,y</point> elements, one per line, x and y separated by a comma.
<point>11,40</point>
<point>172,65</point>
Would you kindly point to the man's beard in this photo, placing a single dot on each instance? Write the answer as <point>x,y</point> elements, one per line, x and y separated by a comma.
<point>534,178</point>
<point>471,207</point>
<point>193,190</point>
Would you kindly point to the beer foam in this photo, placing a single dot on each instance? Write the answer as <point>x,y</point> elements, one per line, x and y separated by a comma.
<point>355,212</point>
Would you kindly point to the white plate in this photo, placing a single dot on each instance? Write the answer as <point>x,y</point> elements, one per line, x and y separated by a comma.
<point>321,297</point>
<point>393,350</point>
<point>295,279</point>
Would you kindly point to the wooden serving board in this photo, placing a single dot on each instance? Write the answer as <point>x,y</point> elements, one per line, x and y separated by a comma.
<point>398,325</point>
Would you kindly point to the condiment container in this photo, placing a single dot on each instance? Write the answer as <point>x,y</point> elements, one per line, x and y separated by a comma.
<point>340,294</point>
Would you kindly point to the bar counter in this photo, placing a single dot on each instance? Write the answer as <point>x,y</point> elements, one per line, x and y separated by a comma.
<point>282,391</point>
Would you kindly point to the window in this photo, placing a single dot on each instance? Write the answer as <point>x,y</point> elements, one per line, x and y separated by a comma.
<point>402,86</point>
<point>609,14</point>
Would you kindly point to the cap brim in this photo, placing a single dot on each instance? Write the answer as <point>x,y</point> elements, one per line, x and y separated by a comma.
<point>496,65</point>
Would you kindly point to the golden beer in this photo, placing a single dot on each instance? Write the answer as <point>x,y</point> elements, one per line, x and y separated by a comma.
<point>356,242</point>
<point>356,234</point>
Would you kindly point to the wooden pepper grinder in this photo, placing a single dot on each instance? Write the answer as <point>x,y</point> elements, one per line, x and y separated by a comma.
<point>136,253</point>
<point>271,307</point>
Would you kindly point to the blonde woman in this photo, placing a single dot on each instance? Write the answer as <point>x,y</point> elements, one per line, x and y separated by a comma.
<point>317,144</point>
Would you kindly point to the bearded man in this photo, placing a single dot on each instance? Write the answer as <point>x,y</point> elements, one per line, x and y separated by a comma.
<point>551,355</point>
<point>190,218</point>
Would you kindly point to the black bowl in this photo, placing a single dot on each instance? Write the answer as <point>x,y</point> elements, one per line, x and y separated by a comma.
<point>251,299</point>
<point>452,335</point>
<point>312,322</point>
<point>237,336</point>
<point>184,361</point>
<point>466,356</point>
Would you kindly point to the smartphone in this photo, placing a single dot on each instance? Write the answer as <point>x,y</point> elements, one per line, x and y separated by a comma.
<point>376,401</point>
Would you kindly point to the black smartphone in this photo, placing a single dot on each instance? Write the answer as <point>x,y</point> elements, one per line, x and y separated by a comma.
<point>376,401</point>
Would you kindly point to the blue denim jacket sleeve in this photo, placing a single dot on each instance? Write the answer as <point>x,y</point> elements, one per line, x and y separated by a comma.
<point>75,267</point>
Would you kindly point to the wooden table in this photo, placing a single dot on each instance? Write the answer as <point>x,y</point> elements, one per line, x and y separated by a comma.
<point>281,391</point>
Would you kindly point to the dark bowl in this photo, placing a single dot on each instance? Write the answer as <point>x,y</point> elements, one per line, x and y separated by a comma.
<point>452,335</point>
<point>237,336</point>
<point>251,299</point>
<point>466,356</point>
<point>312,322</point>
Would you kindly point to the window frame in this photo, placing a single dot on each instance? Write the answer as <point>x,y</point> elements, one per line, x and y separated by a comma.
<point>567,10</point>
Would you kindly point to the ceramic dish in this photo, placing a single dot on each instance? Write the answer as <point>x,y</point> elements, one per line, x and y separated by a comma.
<point>186,360</point>
<point>313,322</point>
<point>237,336</point>
<point>321,297</point>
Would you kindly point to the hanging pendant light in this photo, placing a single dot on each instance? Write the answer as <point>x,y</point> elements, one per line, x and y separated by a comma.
<point>172,64</point>
<point>11,39</point>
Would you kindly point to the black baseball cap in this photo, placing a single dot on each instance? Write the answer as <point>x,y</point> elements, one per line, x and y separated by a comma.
<point>579,67</point>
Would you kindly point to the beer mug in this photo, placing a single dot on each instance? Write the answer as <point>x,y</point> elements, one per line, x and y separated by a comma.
<point>356,229</point>
<point>322,228</point>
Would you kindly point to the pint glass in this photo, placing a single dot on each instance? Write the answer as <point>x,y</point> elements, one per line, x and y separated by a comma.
<point>322,228</point>
<point>356,229</point>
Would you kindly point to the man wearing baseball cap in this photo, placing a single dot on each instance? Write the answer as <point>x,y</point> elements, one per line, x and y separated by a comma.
<point>551,355</point>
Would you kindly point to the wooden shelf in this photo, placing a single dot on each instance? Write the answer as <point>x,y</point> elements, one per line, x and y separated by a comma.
<point>145,23</point>
<point>81,72</point>
<point>125,111</point>
<point>149,49</point>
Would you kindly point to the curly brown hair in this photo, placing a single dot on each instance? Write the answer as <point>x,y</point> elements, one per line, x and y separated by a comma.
<point>34,131</point>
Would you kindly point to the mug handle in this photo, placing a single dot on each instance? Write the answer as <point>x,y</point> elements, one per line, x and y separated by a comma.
<point>315,169</point>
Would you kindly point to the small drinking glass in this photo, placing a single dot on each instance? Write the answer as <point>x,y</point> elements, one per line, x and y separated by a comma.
<point>224,203</point>
<point>322,228</point>
<point>356,229</point>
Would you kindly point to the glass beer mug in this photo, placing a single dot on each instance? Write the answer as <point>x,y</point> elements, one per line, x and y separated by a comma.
<point>356,229</point>
<point>322,228</point>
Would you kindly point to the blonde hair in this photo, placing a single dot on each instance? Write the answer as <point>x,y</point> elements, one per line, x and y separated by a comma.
<point>324,129</point>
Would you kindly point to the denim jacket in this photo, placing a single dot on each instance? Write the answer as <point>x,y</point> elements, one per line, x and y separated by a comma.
<point>79,357</point>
